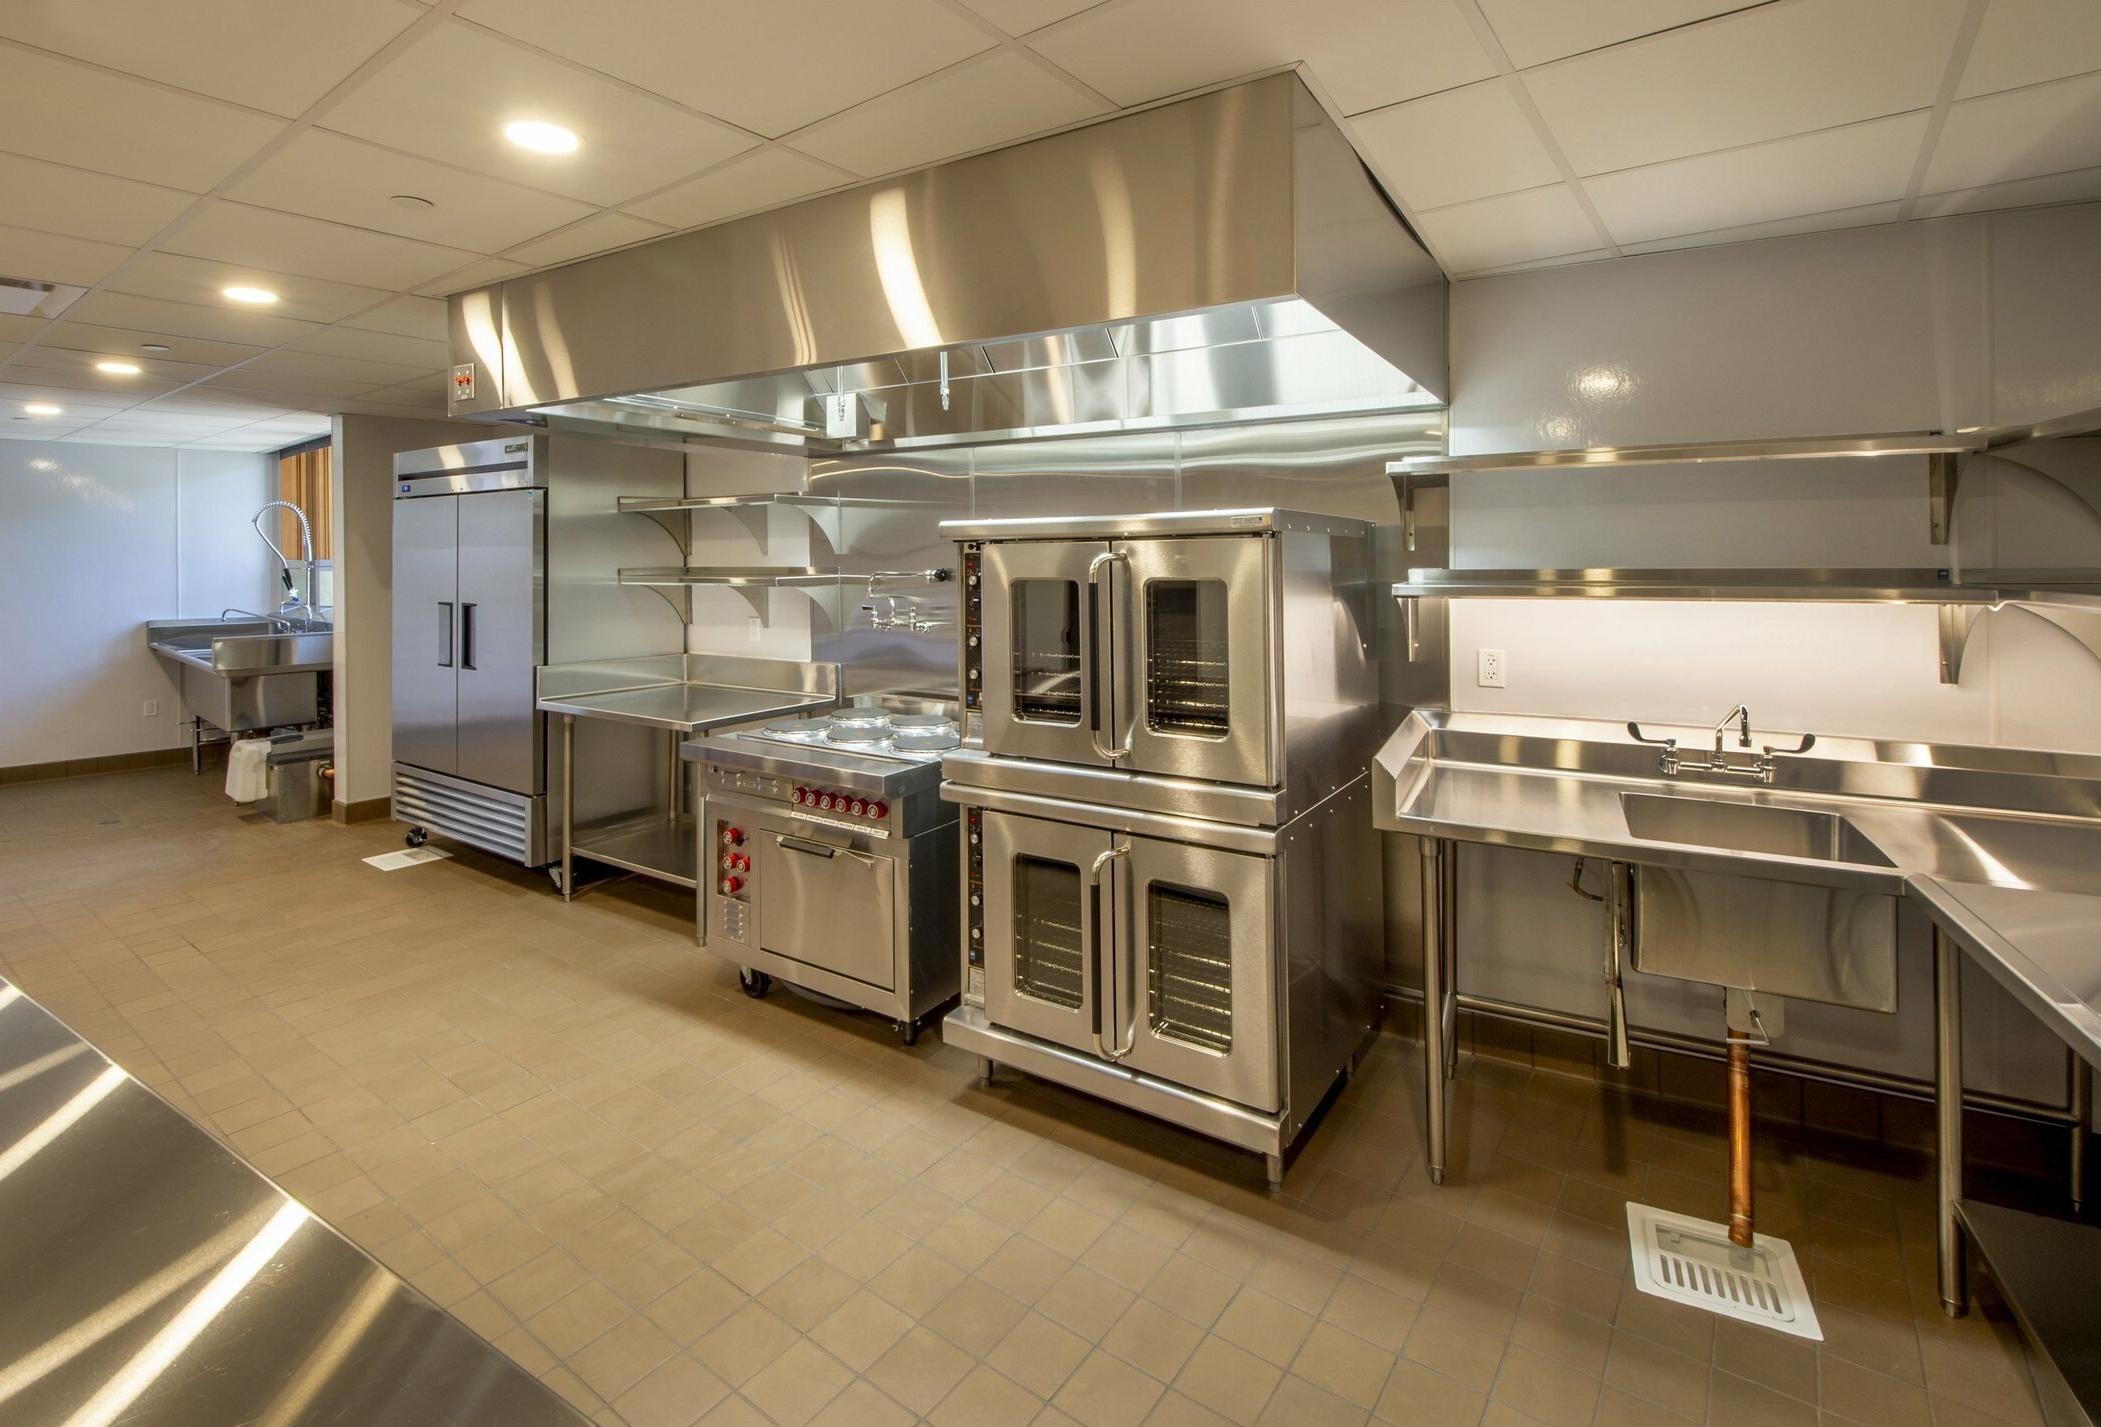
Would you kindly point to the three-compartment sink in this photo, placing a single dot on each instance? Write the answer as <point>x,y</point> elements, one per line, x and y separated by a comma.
<point>244,674</point>
<point>1757,828</point>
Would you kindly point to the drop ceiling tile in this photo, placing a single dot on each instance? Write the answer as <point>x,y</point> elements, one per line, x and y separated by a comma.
<point>743,185</point>
<point>246,381</point>
<point>278,55</point>
<point>422,317</point>
<point>1558,260</point>
<point>324,175</point>
<point>19,388</point>
<point>366,406</point>
<point>425,397</point>
<point>50,257</point>
<point>979,104</point>
<point>2075,187</point>
<point>82,390</point>
<point>53,109</point>
<point>1535,31</point>
<point>1465,143</point>
<point>78,368</point>
<point>416,352</point>
<point>328,367</point>
<point>21,329</point>
<point>1018,17</point>
<point>200,280</point>
<point>600,234</point>
<point>1812,173</point>
<point>125,342</point>
<point>765,65</point>
<point>1755,75</point>
<point>2030,41</point>
<point>1364,52</point>
<point>285,242</point>
<point>87,205</point>
<point>1856,217</point>
<point>1511,228</point>
<point>2022,133</point>
<point>449,97</point>
<point>475,274</point>
<point>216,322</point>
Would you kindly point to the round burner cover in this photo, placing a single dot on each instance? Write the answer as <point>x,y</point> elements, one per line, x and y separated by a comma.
<point>812,728</point>
<point>921,720</point>
<point>930,739</point>
<point>844,732</point>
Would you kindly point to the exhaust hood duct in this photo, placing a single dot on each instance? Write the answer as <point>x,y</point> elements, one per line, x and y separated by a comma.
<point>1221,258</point>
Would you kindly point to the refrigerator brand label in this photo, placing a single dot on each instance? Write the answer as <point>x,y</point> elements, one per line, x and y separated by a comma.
<point>463,382</point>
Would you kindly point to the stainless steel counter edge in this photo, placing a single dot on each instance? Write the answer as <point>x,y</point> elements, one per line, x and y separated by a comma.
<point>684,708</point>
<point>155,1278</point>
<point>2012,943</point>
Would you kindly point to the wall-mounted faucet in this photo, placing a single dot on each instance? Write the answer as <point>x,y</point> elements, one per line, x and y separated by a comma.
<point>291,600</point>
<point>1671,762</point>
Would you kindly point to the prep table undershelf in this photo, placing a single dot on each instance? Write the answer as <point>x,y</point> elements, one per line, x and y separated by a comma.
<point>2046,1270</point>
<point>649,843</point>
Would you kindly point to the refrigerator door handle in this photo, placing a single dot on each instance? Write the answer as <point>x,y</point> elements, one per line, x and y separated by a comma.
<point>1102,594</point>
<point>1104,1003</point>
<point>445,634</point>
<point>466,636</point>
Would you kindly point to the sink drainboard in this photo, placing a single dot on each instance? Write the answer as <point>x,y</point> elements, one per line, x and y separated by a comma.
<point>1691,1261</point>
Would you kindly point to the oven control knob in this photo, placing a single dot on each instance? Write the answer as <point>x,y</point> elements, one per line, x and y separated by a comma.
<point>802,795</point>
<point>732,885</point>
<point>858,808</point>
<point>879,810</point>
<point>733,837</point>
<point>829,801</point>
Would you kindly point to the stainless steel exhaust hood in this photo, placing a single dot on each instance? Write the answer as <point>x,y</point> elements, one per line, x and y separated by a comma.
<point>1225,257</point>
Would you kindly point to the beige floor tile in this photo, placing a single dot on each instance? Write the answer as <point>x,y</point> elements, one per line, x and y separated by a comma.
<point>920,1369</point>
<point>676,1393</point>
<point>1299,1403</point>
<point>1270,1329</point>
<point>744,1342</point>
<point>1039,1354</point>
<point>577,1317</point>
<point>975,1316</point>
<point>622,1356</point>
<point>1085,1302</point>
<point>1229,1380</point>
<point>986,1399</point>
<point>861,1329</point>
<point>1344,1364</point>
<point>693,1306</point>
<point>1105,1391</point>
<point>861,1405</point>
<point>1153,1339</point>
<point>798,1384</point>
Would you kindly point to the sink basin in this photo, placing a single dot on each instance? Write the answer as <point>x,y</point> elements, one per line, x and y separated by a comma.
<point>1749,827</point>
<point>243,674</point>
<point>2054,857</point>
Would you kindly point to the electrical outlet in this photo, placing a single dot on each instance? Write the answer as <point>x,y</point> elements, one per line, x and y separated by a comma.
<point>151,710</point>
<point>1490,673</point>
<point>754,628</point>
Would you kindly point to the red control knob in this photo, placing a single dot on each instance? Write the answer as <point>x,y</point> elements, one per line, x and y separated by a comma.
<point>879,810</point>
<point>827,802</point>
<point>733,837</point>
<point>731,885</point>
<point>858,808</point>
<point>802,795</point>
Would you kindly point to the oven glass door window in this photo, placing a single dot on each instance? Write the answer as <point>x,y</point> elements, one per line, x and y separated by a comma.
<point>1048,907</point>
<point>1189,967</point>
<point>1188,677</point>
<point>1047,650</point>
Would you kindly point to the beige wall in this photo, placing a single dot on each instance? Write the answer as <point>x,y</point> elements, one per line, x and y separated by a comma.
<point>364,545</point>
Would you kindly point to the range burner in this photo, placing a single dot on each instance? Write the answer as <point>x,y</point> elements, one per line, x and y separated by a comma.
<point>868,732</point>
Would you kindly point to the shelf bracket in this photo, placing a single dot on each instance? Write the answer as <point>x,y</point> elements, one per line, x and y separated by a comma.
<point>684,610</point>
<point>1956,623</point>
<point>2082,625</point>
<point>1943,475</point>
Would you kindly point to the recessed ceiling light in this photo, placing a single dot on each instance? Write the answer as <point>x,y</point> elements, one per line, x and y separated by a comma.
<point>155,347</point>
<point>412,201</point>
<point>43,408</point>
<point>541,137</point>
<point>255,296</point>
<point>118,369</point>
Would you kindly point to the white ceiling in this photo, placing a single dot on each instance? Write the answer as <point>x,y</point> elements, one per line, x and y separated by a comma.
<point>155,160</point>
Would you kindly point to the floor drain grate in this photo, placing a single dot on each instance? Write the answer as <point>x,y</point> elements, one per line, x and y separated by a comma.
<point>1689,1260</point>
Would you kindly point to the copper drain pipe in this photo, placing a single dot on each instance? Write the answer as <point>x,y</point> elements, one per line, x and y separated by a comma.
<point>1739,1142</point>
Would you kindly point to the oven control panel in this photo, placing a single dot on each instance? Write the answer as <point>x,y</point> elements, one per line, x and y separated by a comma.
<point>849,805</point>
<point>731,878</point>
<point>973,629</point>
<point>974,905</point>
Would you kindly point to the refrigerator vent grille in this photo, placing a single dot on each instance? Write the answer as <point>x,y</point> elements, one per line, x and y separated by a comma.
<point>498,823</point>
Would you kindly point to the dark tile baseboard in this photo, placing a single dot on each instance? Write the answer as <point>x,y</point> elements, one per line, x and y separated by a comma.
<point>105,763</point>
<point>364,810</point>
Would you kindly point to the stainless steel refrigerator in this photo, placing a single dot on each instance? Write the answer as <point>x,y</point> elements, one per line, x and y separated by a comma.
<point>506,557</point>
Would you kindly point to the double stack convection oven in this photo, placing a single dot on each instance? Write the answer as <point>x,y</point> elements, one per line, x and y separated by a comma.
<point>1173,893</point>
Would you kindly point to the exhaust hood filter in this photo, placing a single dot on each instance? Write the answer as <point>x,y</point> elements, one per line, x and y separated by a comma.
<point>1219,258</point>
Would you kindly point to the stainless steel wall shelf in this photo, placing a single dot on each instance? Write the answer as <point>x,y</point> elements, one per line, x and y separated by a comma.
<point>2073,608</point>
<point>1925,443</point>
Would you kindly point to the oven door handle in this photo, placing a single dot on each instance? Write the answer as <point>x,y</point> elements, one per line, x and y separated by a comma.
<point>1101,673</point>
<point>821,849</point>
<point>1103,1014</point>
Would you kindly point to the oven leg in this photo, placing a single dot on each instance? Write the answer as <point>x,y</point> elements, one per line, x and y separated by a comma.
<point>1947,1104</point>
<point>568,802</point>
<point>1433,885</point>
<point>1273,1166</point>
<point>985,1069</point>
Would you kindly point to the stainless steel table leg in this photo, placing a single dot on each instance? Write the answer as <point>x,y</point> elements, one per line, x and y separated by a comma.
<point>2082,1117</point>
<point>1947,1106</point>
<point>1433,1007</point>
<point>568,802</point>
<point>1273,1166</point>
<point>196,747</point>
<point>1448,944</point>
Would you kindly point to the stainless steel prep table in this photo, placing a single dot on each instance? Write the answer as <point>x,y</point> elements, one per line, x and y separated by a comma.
<point>156,1280</point>
<point>2001,848</point>
<point>681,695</point>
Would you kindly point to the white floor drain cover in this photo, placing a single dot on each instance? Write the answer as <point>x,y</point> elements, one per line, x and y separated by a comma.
<point>407,857</point>
<point>1689,1260</point>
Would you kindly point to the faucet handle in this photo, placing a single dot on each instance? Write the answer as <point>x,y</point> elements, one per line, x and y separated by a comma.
<point>1808,742</point>
<point>1634,729</point>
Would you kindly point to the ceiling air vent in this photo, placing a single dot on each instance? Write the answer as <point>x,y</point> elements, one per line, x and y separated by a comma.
<point>26,297</point>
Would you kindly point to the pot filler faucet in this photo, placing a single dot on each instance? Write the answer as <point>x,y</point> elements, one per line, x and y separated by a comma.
<point>291,602</point>
<point>1671,762</point>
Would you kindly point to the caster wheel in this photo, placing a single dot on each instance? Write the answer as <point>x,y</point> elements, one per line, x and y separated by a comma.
<point>415,837</point>
<point>755,983</point>
<point>908,1032</point>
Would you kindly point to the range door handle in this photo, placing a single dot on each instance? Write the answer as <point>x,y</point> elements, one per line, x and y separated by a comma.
<point>467,636</point>
<point>1100,989</point>
<point>444,634</point>
<point>1101,599</point>
<point>821,849</point>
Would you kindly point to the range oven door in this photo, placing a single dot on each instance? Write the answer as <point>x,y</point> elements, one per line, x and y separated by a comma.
<point>822,898</point>
<point>1039,665</point>
<point>1194,996</point>
<point>1159,956</point>
<point>1197,667</point>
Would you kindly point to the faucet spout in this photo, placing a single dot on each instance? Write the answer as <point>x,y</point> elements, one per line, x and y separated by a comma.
<point>1741,717</point>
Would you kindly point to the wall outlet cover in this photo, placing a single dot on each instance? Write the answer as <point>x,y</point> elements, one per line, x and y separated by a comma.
<point>1491,668</point>
<point>151,709</point>
<point>754,628</point>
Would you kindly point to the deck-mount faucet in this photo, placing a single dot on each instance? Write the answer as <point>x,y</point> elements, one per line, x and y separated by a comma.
<point>292,599</point>
<point>1671,762</point>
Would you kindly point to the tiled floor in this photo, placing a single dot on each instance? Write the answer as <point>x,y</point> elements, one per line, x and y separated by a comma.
<point>679,1205</point>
